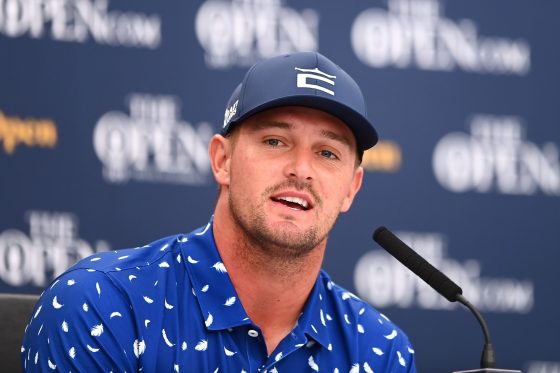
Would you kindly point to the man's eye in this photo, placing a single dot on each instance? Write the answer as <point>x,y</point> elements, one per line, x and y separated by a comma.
<point>328,154</point>
<point>273,142</point>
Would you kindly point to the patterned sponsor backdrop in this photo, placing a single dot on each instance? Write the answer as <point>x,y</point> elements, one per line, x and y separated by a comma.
<point>106,108</point>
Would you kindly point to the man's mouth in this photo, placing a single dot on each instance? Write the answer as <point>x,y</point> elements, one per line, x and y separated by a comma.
<point>293,202</point>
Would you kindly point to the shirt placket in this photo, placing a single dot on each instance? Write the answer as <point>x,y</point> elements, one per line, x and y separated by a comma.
<point>255,347</point>
<point>295,340</point>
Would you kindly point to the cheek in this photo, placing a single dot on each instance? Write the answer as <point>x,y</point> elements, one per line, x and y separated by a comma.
<point>247,176</point>
<point>335,192</point>
<point>248,172</point>
<point>331,195</point>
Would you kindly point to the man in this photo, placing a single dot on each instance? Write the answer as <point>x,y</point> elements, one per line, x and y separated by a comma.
<point>246,292</point>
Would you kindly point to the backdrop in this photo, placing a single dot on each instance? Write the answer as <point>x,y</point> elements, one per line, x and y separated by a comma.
<point>106,108</point>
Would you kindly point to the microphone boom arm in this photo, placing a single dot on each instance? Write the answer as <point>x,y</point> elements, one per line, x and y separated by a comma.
<point>488,358</point>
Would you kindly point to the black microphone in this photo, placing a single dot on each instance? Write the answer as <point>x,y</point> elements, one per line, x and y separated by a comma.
<point>427,272</point>
<point>440,282</point>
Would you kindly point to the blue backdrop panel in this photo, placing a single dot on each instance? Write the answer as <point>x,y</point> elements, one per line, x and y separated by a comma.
<point>106,109</point>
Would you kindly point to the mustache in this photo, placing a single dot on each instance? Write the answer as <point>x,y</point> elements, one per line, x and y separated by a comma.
<point>297,185</point>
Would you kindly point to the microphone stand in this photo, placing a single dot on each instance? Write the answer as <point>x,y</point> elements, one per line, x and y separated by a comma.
<point>488,358</point>
<point>443,285</point>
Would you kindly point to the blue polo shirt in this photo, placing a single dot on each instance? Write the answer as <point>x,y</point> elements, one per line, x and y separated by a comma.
<point>171,306</point>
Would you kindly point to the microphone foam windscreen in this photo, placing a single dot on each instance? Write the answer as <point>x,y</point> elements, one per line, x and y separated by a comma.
<point>404,254</point>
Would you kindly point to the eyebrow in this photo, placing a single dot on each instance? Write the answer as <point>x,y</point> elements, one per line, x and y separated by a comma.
<point>336,137</point>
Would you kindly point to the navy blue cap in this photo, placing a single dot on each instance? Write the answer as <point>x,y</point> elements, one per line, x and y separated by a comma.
<point>301,79</point>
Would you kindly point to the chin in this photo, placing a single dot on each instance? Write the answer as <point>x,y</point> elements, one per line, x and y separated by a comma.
<point>289,225</point>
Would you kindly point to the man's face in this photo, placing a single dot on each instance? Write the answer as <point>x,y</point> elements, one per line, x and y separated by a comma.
<point>292,171</point>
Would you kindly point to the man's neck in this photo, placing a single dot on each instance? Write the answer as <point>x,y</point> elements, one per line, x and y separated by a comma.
<point>273,291</point>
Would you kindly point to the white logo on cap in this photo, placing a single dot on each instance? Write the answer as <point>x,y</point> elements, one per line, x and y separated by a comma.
<point>230,112</point>
<point>314,74</point>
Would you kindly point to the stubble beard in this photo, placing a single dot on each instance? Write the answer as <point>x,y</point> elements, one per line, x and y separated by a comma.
<point>280,243</point>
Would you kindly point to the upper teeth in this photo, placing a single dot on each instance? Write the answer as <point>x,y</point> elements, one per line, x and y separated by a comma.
<point>299,201</point>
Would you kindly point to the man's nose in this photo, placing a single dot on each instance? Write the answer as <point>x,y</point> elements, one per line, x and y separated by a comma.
<point>300,165</point>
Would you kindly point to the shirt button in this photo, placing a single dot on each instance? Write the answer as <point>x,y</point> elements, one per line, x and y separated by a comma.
<point>253,333</point>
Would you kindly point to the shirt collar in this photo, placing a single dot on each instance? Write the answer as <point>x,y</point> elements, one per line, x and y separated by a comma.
<point>218,299</point>
<point>211,284</point>
<point>313,318</point>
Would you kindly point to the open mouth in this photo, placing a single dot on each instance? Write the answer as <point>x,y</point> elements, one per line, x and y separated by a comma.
<point>295,203</point>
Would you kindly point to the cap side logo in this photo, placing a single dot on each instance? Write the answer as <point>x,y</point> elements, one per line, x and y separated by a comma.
<point>315,74</point>
<point>230,112</point>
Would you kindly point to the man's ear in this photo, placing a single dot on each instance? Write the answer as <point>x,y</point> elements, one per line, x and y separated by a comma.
<point>219,152</point>
<point>353,189</point>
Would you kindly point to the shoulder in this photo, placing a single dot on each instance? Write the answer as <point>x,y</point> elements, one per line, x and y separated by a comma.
<point>352,305</point>
<point>375,334</point>
<point>124,273</point>
<point>141,256</point>
<point>79,312</point>
<point>103,280</point>
<point>71,320</point>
